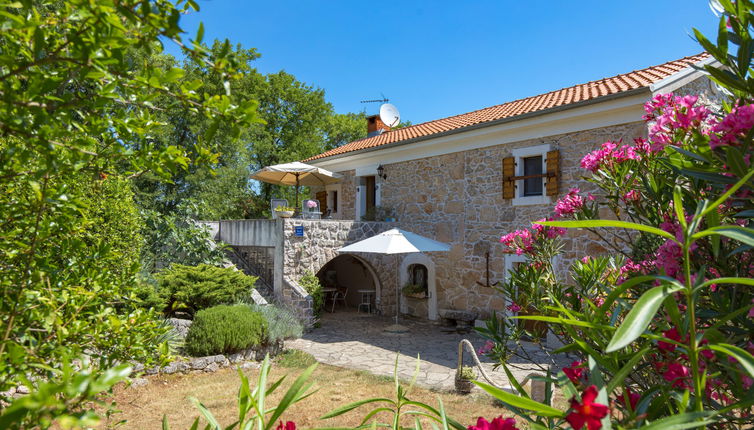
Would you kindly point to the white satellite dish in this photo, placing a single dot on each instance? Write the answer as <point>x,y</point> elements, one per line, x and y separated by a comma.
<point>389,115</point>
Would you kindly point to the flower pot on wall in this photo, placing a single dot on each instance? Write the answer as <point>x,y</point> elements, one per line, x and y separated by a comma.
<point>285,214</point>
<point>421,295</point>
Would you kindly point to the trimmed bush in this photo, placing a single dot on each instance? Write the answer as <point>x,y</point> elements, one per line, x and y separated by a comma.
<point>224,330</point>
<point>312,286</point>
<point>281,323</point>
<point>193,288</point>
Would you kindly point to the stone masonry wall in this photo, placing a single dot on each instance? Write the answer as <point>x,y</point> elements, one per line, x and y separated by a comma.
<point>319,245</point>
<point>457,199</point>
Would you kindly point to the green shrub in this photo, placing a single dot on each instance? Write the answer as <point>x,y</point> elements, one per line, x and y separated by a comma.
<point>312,286</point>
<point>225,329</point>
<point>281,323</point>
<point>193,288</point>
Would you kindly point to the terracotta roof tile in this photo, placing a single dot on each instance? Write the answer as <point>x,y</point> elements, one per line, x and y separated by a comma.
<point>563,97</point>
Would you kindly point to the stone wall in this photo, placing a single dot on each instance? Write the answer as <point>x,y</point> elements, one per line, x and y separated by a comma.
<point>457,199</point>
<point>319,245</point>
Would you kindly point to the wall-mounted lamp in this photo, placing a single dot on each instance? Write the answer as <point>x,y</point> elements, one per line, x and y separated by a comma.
<point>381,172</point>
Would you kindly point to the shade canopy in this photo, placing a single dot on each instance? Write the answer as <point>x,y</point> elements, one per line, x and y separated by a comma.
<point>297,174</point>
<point>396,241</point>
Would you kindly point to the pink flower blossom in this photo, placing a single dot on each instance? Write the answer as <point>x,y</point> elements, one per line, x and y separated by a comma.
<point>497,424</point>
<point>487,347</point>
<point>586,259</point>
<point>587,411</point>
<point>311,204</point>
<point>575,372</point>
<point>677,374</point>
<point>747,382</point>
<point>751,310</point>
<point>513,307</point>
<point>569,204</point>
<point>733,128</point>
<point>632,196</point>
<point>671,334</point>
<point>674,117</point>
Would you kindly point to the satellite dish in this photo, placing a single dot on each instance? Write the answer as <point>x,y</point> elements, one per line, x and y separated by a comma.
<point>389,115</point>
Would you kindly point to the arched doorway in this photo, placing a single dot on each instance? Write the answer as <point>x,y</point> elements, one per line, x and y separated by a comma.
<point>354,273</point>
<point>419,268</point>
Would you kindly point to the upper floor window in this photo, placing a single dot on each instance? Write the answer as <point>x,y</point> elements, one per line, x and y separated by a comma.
<point>532,166</point>
<point>526,172</point>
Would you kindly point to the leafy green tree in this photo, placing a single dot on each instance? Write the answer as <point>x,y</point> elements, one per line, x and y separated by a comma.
<point>76,105</point>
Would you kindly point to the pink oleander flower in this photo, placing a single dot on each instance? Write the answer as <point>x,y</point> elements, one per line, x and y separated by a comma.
<point>747,382</point>
<point>610,153</point>
<point>487,347</point>
<point>513,307</point>
<point>632,196</point>
<point>673,115</point>
<point>586,259</point>
<point>497,424</point>
<point>519,241</point>
<point>678,374</point>
<point>671,334</point>
<point>587,411</point>
<point>575,372</point>
<point>569,204</point>
<point>733,128</point>
<point>633,398</point>
<point>289,425</point>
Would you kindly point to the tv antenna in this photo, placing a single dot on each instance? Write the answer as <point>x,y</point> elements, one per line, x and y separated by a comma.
<point>382,100</point>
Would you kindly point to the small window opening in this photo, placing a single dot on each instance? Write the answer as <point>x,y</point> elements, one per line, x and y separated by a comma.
<point>533,166</point>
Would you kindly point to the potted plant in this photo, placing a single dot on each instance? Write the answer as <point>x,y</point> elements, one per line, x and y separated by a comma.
<point>415,291</point>
<point>464,376</point>
<point>284,211</point>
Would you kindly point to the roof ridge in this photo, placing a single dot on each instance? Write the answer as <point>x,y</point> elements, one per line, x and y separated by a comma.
<point>564,96</point>
<point>645,69</point>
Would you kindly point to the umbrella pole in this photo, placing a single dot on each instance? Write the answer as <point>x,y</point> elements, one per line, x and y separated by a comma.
<point>397,295</point>
<point>296,207</point>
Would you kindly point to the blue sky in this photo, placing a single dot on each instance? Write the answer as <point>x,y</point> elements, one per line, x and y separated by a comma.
<point>438,58</point>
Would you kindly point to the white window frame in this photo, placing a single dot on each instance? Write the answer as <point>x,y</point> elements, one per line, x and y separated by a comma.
<point>519,154</point>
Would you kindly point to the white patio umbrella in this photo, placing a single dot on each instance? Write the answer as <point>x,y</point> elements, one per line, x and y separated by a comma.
<point>396,241</point>
<point>297,174</point>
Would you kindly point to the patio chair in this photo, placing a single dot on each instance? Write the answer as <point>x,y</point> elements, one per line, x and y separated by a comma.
<point>339,296</point>
<point>275,203</point>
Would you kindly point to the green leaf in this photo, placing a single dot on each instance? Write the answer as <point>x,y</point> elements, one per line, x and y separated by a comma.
<point>744,358</point>
<point>678,206</point>
<point>200,33</point>
<point>520,402</point>
<point>617,379</point>
<point>165,424</point>
<point>727,194</point>
<point>682,421</point>
<point>629,283</point>
<point>351,406</point>
<point>291,395</point>
<point>741,234</point>
<point>207,414</point>
<point>640,316</point>
<point>609,223</point>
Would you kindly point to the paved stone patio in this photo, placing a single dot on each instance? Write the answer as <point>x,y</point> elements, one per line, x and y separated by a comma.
<point>357,341</point>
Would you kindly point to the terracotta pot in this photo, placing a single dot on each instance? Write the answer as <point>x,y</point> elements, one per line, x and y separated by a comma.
<point>538,329</point>
<point>463,386</point>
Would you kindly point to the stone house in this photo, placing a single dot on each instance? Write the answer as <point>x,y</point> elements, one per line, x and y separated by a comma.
<point>448,180</point>
<point>464,180</point>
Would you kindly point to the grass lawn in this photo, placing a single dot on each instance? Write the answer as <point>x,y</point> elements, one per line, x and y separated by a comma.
<point>143,407</point>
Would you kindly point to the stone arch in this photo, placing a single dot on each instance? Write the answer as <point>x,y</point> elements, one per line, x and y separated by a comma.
<point>368,269</point>
<point>423,259</point>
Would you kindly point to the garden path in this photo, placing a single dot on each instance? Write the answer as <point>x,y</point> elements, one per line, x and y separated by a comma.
<point>357,341</point>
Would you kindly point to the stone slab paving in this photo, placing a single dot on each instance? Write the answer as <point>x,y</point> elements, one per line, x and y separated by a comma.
<point>357,341</point>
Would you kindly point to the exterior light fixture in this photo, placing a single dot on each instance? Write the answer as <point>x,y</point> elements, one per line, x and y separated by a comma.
<point>381,172</point>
